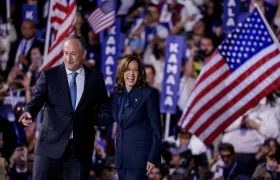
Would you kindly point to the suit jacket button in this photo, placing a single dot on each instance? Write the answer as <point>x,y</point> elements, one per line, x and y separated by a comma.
<point>123,141</point>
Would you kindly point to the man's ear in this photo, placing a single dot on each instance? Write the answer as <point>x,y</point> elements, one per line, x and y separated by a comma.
<point>84,54</point>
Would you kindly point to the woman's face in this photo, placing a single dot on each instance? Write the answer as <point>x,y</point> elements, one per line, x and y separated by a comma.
<point>79,18</point>
<point>35,53</point>
<point>272,148</point>
<point>131,75</point>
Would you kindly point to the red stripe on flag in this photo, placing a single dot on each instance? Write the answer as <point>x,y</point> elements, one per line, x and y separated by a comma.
<point>53,61</point>
<point>60,7</point>
<point>212,70</point>
<point>57,20</point>
<point>229,88</point>
<point>226,123</point>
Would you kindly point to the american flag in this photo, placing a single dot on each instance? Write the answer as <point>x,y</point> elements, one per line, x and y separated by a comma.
<point>62,20</point>
<point>244,69</point>
<point>103,17</point>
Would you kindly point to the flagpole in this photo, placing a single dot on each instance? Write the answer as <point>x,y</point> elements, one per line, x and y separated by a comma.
<point>47,39</point>
<point>8,13</point>
<point>167,125</point>
<point>276,41</point>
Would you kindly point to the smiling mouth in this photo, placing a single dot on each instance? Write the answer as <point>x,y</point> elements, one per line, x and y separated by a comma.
<point>130,79</point>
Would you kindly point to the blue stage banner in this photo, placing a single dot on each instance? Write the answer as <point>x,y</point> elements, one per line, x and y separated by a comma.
<point>110,55</point>
<point>230,14</point>
<point>174,53</point>
<point>30,12</point>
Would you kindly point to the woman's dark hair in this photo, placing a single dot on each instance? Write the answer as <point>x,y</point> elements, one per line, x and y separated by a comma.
<point>141,81</point>
<point>277,154</point>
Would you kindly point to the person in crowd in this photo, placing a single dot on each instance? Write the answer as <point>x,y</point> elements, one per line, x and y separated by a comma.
<point>232,168</point>
<point>150,73</point>
<point>271,150</point>
<point>248,132</point>
<point>7,37</point>
<point>269,10</point>
<point>136,111</point>
<point>20,50</point>
<point>75,99</point>
<point>18,164</point>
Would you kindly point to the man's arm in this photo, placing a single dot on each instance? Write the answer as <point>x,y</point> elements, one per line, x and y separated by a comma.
<point>39,96</point>
<point>104,107</point>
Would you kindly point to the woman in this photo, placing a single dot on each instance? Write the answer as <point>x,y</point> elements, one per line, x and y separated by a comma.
<point>136,110</point>
<point>271,150</point>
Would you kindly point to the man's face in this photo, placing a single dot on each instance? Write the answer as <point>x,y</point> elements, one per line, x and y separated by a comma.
<point>227,157</point>
<point>73,54</point>
<point>27,29</point>
<point>153,11</point>
<point>150,76</point>
<point>206,45</point>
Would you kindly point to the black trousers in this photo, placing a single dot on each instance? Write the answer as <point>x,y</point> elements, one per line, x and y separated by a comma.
<point>132,174</point>
<point>68,166</point>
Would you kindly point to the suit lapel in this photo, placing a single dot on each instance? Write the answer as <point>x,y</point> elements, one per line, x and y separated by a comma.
<point>65,86</point>
<point>86,84</point>
<point>136,98</point>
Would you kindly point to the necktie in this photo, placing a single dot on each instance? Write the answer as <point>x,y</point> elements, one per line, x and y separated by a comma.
<point>73,89</point>
<point>23,49</point>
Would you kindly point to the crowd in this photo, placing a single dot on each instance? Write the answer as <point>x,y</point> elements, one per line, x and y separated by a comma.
<point>248,149</point>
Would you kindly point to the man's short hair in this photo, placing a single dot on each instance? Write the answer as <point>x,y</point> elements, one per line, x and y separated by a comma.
<point>226,147</point>
<point>80,39</point>
<point>151,67</point>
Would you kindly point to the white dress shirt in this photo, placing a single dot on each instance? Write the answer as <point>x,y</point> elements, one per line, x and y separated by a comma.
<point>80,81</point>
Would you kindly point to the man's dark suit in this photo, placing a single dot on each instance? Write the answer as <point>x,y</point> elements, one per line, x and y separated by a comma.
<point>52,90</point>
<point>138,133</point>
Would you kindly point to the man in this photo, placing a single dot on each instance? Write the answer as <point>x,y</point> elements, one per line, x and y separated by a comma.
<point>232,168</point>
<point>20,51</point>
<point>72,95</point>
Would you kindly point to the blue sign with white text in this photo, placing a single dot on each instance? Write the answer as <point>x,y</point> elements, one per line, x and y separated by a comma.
<point>30,12</point>
<point>110,55</point>
<point>174,53</point>
<point>230,14</point>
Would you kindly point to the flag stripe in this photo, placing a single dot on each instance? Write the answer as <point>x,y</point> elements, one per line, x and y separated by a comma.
<point>62,21</point>
<point>219,91</point>
<point>107,23</point>
<point>219,99</point>
<point>253,86</point>
<point>250,55</point>
<point>207,138</point>
<point>102,17</point>
<point>57,20</point>
<point>99,19</point>
<point>217,73</point>
<point>60,7</point>
<point>57,49</point>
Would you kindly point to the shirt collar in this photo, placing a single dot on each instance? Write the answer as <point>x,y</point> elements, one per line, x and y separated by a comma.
<point>79,71</point>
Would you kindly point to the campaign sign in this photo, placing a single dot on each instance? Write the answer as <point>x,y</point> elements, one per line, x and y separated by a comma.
<point>174,53</point>
<point>30,12</point>
<point>110,55</point>
<point>230,14</point>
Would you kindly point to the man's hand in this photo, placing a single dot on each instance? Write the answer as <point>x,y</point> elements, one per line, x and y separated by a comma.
<point>25,118</point>
<point>251,124</point>
<point>150,167</point>
<point>22,59</point>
